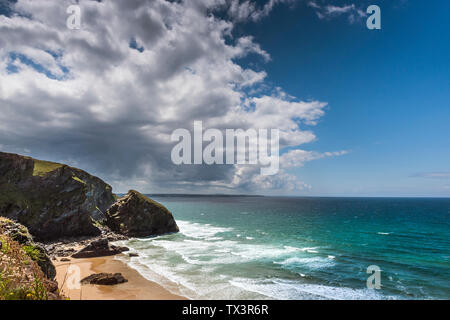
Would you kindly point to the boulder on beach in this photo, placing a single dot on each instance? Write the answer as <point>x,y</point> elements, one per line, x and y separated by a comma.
<point>107,279</point>
<point>99,248</point>
<point>136,215</point>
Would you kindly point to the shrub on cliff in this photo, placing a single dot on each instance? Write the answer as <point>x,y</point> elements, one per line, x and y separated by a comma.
<point>21,278</point>
<point>19,233</point>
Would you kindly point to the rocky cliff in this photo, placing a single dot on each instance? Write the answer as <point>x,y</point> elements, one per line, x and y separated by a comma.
<point>52,200</point>
<point>136,215</point>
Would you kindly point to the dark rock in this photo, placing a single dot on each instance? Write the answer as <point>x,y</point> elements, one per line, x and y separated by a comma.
<point>99,248</point>
<point>45,263</point>
<point>65,252</point>
<point>65,260</point>
<point>116,237</point>
<point>132,254</point>
<point>121,249</point>
<point>16,231</point>
<point>53,200</point>
<point>51,286</point>
<point>136,215</point>
<point>104,279</point>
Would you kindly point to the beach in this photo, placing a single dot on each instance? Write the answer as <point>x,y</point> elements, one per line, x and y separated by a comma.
<point>137,287</point>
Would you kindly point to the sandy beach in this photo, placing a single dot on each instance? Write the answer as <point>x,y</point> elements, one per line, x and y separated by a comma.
<point>137,287</point>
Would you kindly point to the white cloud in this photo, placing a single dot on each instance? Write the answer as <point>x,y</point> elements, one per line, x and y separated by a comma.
<point>324,10</point>
<point>111,109</point>
<point>297,158</point>
<point>244,10</point>
<point>330,9</point>
<point>433,175</point>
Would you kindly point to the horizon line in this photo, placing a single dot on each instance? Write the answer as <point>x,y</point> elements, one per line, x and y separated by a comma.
<point>287,196</point>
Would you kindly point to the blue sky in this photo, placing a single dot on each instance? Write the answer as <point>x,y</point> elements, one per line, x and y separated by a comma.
<point>107,96</point>
<point>388,94</point>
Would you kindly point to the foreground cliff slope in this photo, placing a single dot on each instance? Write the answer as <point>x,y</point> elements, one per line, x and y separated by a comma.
<point>52,200</point>
<point>26,272</point>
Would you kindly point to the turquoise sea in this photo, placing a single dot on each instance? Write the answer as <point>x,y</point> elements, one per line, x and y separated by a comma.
<point>238,247</point>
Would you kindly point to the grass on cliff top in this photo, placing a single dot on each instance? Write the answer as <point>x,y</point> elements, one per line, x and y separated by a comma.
<point>41,168</point>
<point>144,198</point>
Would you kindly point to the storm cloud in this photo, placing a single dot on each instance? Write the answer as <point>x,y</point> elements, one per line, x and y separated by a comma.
<point>107,97</point>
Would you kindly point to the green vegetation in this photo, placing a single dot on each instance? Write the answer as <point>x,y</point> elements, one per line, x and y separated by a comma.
<point>41,168</point>
<point>97,223</point>
<point>20,276</point>
<point>5,221</point>
<point>78,179</point>
<point>10,194</point>
<point>34,253</point>
<point>15,231</point>
<point>144,198</point>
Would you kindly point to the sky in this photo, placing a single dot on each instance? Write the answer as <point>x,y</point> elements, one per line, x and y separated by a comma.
<point>360,112</point>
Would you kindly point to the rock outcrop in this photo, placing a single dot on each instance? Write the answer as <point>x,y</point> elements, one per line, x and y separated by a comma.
<point>52,200</point>
<point>99,248</point>
<point>107,279</point>
<point>136,215</point>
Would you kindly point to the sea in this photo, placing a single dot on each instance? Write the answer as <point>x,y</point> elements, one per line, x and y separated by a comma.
<point>254,247</point>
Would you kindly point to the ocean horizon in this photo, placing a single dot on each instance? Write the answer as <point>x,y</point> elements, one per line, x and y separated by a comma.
<point>268,247</point>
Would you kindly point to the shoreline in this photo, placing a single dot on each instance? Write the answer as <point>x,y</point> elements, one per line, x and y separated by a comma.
<point>137,287</point>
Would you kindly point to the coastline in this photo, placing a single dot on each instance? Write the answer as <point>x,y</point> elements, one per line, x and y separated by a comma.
<point>137,287</point>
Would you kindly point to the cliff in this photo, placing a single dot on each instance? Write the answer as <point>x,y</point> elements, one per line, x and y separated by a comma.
<point>53,200</point>
<point>68,207</point>
<point>56,201</point>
